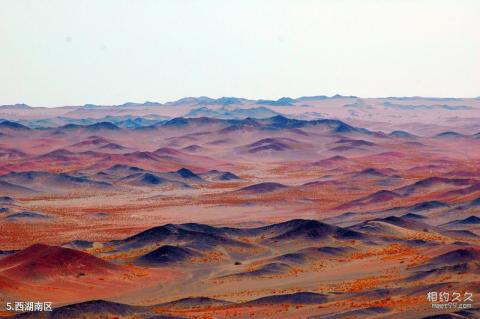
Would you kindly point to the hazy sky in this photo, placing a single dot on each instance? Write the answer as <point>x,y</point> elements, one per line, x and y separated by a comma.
<point>57,52</point>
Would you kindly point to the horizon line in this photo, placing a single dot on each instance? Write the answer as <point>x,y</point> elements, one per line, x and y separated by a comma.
<point>166,103</point>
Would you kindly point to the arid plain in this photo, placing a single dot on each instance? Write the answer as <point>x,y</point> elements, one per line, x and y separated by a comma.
<point>317,207</point>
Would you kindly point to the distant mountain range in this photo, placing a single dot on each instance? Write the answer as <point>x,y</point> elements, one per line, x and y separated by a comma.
<point>283,101</point>
<point>424,116</point>
<point>235,119</point>
<point>204,100</point>
<point>274,122</point>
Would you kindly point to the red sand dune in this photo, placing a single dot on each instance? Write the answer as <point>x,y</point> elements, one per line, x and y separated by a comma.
<point>41,262</point>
